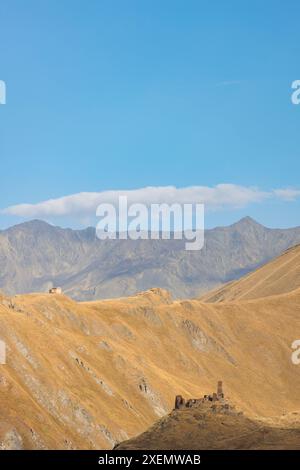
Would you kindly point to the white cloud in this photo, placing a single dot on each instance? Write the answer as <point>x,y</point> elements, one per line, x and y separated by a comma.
<point>288,194</point>
<point>221,196</point>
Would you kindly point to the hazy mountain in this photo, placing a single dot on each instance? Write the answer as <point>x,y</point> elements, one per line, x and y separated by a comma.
<point>35,255</point>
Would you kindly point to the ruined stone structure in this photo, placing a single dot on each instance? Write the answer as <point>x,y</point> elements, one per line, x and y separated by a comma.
<point>220,393</point>
<point>181,403</point>
<point>55,290</point>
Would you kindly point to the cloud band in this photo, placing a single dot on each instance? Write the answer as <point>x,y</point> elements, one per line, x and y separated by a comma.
<point>221,196</point>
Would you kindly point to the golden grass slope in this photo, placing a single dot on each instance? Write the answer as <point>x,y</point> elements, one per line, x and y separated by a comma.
<point>89,375</point>
<point>280,276</point>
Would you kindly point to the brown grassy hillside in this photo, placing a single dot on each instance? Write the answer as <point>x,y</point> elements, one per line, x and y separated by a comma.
<point>92,374</point>
<point>280,276</point>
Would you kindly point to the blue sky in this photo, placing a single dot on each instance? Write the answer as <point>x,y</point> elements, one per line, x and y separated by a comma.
<point>114,95</point>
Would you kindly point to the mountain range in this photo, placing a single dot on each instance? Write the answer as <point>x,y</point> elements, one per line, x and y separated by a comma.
<point>34,256</point>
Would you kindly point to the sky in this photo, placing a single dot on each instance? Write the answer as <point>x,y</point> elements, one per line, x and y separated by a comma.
<point>164,99</point>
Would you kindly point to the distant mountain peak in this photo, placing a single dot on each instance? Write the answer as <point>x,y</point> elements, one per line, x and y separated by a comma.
<point>38,222</point>
<point>31,224</point>
<point>248,221</point>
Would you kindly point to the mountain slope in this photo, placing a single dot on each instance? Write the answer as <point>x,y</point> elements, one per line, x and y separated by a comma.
<point>215,425</point>
<point>34,256</point>
<point>280,276</point>
<point>89,375</point>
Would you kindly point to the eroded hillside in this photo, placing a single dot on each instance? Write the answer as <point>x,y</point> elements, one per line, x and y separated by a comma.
<point>89,375</point>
